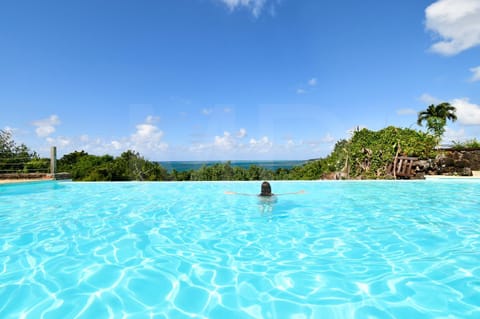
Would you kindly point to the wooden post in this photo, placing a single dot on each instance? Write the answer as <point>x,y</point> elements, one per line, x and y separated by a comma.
<point>53,161</point>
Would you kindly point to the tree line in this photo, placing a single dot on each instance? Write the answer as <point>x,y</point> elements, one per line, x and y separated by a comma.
<point>131,166</point>
<point>18,158</point>
<point>367,154</point>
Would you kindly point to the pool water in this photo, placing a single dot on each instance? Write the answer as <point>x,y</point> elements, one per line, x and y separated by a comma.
<point>188,250</point>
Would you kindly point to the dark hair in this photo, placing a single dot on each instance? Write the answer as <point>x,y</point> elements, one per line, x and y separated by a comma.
<point>266,189</point>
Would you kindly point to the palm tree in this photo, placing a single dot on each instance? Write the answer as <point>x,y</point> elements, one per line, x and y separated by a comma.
<point>436,117</point>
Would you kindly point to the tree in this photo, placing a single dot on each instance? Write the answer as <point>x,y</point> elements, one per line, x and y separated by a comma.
<point>7,145</point>
<point>13,157</point>
<point>436,117</point>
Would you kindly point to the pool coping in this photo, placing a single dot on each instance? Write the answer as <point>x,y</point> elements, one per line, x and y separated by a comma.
<point>21,181</point>
<point>450,177</point>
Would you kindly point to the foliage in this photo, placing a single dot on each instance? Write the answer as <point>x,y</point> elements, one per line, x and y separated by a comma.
<point>7,145</point>
<point>224,172</point>
<point>37,165</point>
<point>371,152</point>
<point>309,171</point>
<point>129,166</point>
<point>466,145</point>
<point>18,158</point>
<point>436,117</point>
<point>366,155</point>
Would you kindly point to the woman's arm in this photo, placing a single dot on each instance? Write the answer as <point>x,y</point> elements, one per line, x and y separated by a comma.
<point>235,193</point>
<point>243,194</point>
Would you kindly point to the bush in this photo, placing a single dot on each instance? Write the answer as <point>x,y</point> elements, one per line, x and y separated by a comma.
<point>366,155</point>
<point>371,152</point>
<point>472,144</point>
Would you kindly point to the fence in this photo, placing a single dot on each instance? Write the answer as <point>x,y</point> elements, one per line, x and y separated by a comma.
<point>24,165</point>
<point>402,167</point>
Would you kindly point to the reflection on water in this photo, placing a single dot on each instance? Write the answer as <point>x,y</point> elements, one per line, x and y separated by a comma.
<point>187,250</point>
<point>266,203</point>
<point>29,188</point>
<point>275,208</point>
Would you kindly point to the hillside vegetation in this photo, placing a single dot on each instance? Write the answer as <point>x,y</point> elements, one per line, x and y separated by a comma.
<point>367,154</point>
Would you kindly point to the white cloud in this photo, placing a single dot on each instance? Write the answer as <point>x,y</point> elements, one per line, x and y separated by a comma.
<point>225,142</point>
<point>255,6</point>
<point>457,24</point>
<point>307,87</point>
<point>152,119</point>
<point>406,112</point>
<point>44,131</point>
<point>198,148</point>
<point>453,135</point>
<point>146,132</point>
<point>290,144</point>
<point>46,127</point>
<point>242,133</point>
<point>231,146</point>
<point>147,137</point>
<point>467,112</point>
<point>301,91</point>
<point>207,111</point>
<point>428,99</point>
<point>328,139</point>
<point>59,141</point>
<point>262,145</point>
<point>476,74</point>
<point>116,145</point>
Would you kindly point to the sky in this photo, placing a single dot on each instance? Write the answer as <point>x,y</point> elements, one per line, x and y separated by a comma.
<point>232,79</point>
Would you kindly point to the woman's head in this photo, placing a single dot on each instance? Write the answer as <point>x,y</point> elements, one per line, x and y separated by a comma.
<point>266,189</point>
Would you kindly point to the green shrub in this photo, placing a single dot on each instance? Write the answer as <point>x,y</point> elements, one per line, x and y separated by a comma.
<point>466,145</point>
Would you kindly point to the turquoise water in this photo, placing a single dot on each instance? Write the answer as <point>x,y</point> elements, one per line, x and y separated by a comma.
<point>187,250</point>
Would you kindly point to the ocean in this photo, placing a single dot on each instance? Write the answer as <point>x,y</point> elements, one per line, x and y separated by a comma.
<point>181,166</point>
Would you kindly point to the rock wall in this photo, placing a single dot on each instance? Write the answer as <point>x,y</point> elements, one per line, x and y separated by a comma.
<point>448,162</point>
<point>451,162</point>
<point>26,176</point>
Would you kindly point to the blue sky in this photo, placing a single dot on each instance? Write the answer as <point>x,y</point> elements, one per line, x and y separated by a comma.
<point>232,79</point>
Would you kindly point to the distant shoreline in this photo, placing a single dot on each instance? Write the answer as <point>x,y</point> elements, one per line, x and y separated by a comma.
<point>182,166</point>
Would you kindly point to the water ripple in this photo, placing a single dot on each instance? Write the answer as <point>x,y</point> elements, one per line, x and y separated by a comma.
<point>182,250</point>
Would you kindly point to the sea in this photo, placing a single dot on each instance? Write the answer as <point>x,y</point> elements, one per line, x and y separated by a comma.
<point>181,166</point>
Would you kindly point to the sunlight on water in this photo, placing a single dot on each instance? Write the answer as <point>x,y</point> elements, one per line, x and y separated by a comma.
<point>184,250</point>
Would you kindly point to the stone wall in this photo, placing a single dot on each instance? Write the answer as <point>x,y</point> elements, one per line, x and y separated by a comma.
<point>448,162</point>
<point>25,176</point>
<point>458,162</point>
<point>34,176</point>
<point>451,162</point>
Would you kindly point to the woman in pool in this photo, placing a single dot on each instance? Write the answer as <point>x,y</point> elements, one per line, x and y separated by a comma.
<point>266,199</point>
<point>265,191</point>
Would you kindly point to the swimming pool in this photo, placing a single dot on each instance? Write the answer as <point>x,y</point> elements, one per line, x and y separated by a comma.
<point>350,249</point>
